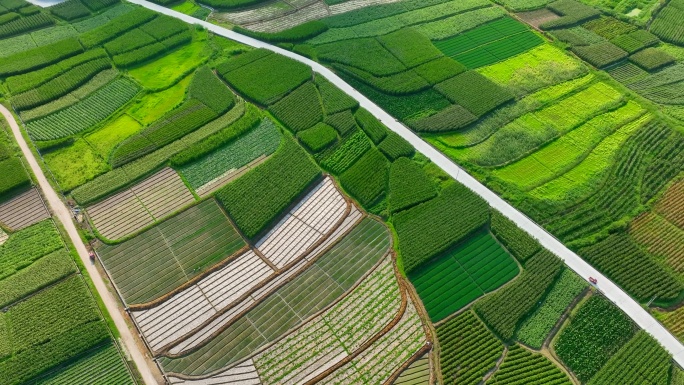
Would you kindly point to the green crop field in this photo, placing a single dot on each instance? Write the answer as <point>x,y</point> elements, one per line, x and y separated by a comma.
<point>595,333</point>
<point>171,253</point>
<point>570,110</point>
<point>463,275</point>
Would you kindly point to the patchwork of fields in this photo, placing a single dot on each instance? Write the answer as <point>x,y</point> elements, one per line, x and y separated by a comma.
<point>52,330</point>
<point>260,227</point>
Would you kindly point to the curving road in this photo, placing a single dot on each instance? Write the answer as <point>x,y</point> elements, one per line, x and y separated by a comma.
<point>63,214</point>
<point>572,260</point>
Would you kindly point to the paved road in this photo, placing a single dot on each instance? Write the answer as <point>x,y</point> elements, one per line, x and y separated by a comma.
<point>612,291</point>
<point>63,214</point>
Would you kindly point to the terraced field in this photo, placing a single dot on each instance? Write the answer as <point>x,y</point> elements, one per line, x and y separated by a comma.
<point>261,227</point>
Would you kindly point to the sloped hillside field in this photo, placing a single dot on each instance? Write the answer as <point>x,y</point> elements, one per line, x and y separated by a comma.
<point>259,226</point>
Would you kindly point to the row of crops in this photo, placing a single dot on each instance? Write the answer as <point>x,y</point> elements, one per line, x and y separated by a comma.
<point>265,147</point>
<point>588,146</point>
<point>50,322</point>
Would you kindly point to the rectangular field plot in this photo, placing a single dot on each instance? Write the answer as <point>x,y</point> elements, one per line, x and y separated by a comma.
<point>200,336</point>
<point>376,364</point>
<point>102,365</point>
<point>23,210</point>
<point>224,164</point>
<point>477,267</point>
<point>189,309</point>
<point>135,208</point>
<point>242,374</point>
<point>168,255</point>
<point>490,43</point>
<point>219,297</point>
<point>330,276</point>
<point>306,224</point>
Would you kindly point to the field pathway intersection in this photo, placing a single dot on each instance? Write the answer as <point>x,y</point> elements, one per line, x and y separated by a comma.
<point>613,292</point>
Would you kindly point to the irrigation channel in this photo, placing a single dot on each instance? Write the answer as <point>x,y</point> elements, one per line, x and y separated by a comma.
<point>63,214</point>
<point>613,292</point>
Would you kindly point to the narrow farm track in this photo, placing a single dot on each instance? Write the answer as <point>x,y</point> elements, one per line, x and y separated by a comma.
<point>631,307</point>
<point>63,214</point>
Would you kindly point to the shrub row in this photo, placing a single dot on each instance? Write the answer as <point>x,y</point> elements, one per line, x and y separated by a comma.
<point>339,158</point>
<point>197,150</point>
<point>116,27</point>
<point>6,18</point>
<point>451,118</point>
<point>28,245</point>
<point>14,177</point>
<point>366,179</point>
<point>518,242</point>
<point>475,92</point>
<point>70,10</point>
<point>266,79</point>
<point>394,147</point>
<point>25,24</point>
<point>96,5</point>
<point>652,59</point>
<point>38,57</point>
<point>211,91</point>
<point>572,11</point>
<point>60,85</point>
<point>318,137</point>
<point>299,33</point>
<point>601,55</point>
<point>118,178</point>
<point>334,99</point>
<point>299,110</point>
<point>343,122</point>
<point>162,27</point>
<point>128,41</point>
<point>86,113</point>
<point>256,199</point>
<point>409,185</point>
<point>375,130</point>
<point>30,80</point>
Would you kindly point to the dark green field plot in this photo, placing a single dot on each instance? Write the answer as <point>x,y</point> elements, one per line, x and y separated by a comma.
<point>461,276</point>
<point>168,255</point>
<point>490,43</point>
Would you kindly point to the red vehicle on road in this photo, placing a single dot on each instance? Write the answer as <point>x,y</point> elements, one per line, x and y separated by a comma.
<point>593,280</point>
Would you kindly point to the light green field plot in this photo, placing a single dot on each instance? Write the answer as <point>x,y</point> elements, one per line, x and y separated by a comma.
<point>532,130</point>
<point>104,140</point>
<point>173,252</point>
<point>579,180</point>
<point>154,105</point>
<point>540,67</point>
<point>568,150</point>
<point>327,279</point>
<point>75,165</point>
<point>166,71</point>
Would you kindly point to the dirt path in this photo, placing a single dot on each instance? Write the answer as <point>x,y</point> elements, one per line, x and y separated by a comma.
<point>63,214</point>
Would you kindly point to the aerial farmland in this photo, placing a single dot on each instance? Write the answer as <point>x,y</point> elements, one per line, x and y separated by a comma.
<point>372,192</point>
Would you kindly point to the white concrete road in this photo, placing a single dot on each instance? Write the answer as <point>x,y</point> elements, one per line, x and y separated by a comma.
<point>611,291</point>
<point>63,214</point>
